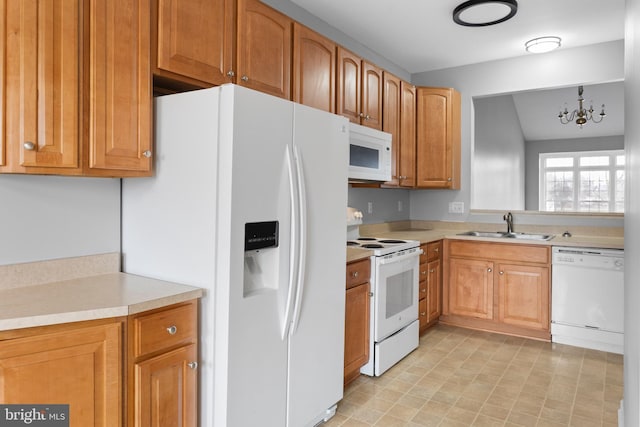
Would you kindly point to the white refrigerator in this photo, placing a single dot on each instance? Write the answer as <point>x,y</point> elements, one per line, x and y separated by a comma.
<point>248,201</point>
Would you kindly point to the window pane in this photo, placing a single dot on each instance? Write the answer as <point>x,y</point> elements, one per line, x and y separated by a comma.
<point>559,191</point>
<point>620,160</point>
<point>594,191</point>
<point>559,162</point>
<point>594,161</point>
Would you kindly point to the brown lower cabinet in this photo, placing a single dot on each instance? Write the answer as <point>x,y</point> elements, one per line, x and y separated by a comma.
<point>430,285</point>
<point>357,317</point>
<point>498,287</point>
<point>148,360</point>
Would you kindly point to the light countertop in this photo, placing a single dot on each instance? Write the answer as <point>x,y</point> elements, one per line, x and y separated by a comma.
<point>88,298</point>
<point>427,234</point>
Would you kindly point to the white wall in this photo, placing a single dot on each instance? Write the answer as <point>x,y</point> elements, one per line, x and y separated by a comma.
<point>499,159</point>
<point>566,67</point>
<point>632,216</point>
<point>534,148</point>
<point>48,217</point>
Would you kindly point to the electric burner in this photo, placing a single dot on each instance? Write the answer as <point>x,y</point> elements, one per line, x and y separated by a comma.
<point>381,246</point>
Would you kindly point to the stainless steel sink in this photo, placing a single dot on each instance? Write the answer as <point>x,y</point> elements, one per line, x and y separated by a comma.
<point>505,235</point>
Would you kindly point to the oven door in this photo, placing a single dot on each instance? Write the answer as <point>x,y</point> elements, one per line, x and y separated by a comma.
<point>395,293</point>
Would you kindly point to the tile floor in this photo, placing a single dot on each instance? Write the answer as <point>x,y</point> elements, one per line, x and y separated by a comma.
<point>460,377</point>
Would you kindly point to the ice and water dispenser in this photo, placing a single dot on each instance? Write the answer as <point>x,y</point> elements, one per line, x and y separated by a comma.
<point>261,256</point>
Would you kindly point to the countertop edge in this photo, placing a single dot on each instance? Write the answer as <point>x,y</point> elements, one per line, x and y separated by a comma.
<point>88,298</point>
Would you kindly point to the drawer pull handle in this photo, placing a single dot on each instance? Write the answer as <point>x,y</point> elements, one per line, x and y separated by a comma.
<point>423,290</point>
<point>354,274</point>
<point>423,314</point>
<point>172,330</point>
<point>436,249</point>
<point>489,270</point>
<point>193,365</point>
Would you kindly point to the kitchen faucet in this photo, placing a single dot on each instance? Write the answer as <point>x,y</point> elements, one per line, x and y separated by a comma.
<point>509,218</point>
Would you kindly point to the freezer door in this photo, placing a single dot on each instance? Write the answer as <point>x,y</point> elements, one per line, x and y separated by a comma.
<point>252,279</point>
<point>316,348</point>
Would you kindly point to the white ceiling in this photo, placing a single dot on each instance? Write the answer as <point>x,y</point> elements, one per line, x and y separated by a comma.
<point>420,35</point>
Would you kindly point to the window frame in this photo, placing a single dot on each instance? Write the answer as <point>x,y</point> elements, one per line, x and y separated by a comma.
<point>576,168</point>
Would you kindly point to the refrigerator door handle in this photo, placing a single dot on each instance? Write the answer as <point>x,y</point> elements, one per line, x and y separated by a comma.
<point>302,237</point>
<point>293,248</point>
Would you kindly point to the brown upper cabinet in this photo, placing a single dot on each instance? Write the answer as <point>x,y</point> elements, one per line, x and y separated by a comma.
<point>438,138</point>
<point>314,69</point>
<point>359,90</point>
<point>264,49</point>
<point>391,111</point>
<point>399,119</point>
<point>79,103</point>
<point>193,42</point>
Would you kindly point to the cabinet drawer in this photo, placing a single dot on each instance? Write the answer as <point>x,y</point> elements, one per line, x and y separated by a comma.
<point>500,251</point>
<point>434,249</point>
<point>358,272</point>
<point>422,292</point>
<point>165,329</point>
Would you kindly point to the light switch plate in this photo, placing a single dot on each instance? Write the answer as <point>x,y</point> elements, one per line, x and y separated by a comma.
<point>456,207</point>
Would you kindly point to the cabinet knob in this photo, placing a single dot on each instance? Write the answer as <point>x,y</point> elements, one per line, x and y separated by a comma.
<point>424,291</point>
<point>361,115</point>
<point>449,179</point>
<point>172,329</point>
<point>367,117</point>
<point>431,271</point>
<point>146,153</point>
<point>193,365</point>
<point>489,270</point>
<point>231,74</point>
<point>424,272</point>
<point>436,249</point>
<point>423,314</point>
<point>501,272</point>
<point>354,274</point>
<point>244,78</point>
<point>402,177</point>
<point>370,294</point>
<point>29,146</point>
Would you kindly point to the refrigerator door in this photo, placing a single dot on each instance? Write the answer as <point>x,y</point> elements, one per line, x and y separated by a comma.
<point>252,285</point>
<point>316,347</point>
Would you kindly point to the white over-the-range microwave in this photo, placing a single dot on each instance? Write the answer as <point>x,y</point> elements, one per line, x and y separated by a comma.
<point>369,154</point>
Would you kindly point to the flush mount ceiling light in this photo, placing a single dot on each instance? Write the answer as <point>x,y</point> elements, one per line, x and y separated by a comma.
<point>480,13</point>
<point>580,114</point>
<point>542,44</point>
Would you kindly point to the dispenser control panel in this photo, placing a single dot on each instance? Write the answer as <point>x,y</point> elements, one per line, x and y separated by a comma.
<point>260,235</point>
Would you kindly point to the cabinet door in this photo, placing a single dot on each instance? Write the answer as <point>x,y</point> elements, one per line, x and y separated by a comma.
<point>349,85</point>
<point>79,367</point>
<point>356,336</point>
<point>314,69</point>
<point>524,296</point>
<point>371,96</point>
<point>264,49</point>
<point>438,140</point>
<point>166,388</point>
<point>471,288</point>
<point>391,121</point>
<point>194,40</point>
<point>434,290</point>
<point>406,156</point>
<point>41,81</point>
<point>119,81</point>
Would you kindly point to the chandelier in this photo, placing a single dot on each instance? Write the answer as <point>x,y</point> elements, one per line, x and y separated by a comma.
<point>581,115</point>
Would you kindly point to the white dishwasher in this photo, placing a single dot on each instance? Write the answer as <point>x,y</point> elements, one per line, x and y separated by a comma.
<point>587,298</point>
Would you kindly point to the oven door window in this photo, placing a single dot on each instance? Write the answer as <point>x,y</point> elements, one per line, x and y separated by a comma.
<point>399,293</point>
<point>395,301</point>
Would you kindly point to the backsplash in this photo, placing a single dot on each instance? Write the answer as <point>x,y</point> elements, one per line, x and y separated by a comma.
<point>386,204</point>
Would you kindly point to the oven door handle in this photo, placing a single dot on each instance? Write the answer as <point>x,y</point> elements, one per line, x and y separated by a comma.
<point>399,256</point>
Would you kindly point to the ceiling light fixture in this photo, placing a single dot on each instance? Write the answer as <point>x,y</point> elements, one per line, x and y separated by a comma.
<point>543,44</point>
<point>580,114</point>
<point>480,13</point>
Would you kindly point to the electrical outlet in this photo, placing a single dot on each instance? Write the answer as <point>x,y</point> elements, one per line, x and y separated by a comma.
<point>456,207</point>
<point>400,206</point>
<point>370,207</point>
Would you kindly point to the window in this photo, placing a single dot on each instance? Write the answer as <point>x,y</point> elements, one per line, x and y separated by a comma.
<point>586,181</point>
